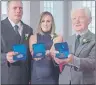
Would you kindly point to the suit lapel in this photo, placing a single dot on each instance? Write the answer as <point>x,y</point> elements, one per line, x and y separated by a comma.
<point>10,28</point>
<point>79,49</point>
<point>81,45</point>
<point>12,31</point>
<point>10,34</point>
<point>24,31</point>
<point>71,43</point>
<point>23,34</point>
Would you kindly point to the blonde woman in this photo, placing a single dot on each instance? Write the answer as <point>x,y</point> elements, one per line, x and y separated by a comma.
<point>43,69</point>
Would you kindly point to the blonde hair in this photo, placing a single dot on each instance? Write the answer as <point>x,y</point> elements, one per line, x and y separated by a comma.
<point>39,29</point>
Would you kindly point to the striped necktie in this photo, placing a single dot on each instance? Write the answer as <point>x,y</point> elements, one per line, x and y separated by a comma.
<point>77,42</point>
<point>16,29</point>
<point>17,32</point>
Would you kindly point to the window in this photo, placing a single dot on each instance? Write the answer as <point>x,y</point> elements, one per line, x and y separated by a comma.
<point>56,9</point>
<point>48,6</point>
<point>91,6</point>
<point>3,9</point>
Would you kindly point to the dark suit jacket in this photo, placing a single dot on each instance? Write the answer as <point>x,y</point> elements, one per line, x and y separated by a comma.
<point>17,72</point>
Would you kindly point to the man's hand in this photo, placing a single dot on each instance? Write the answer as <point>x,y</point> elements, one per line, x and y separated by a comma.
<point>30,82</point>
<point>65,61</point>
<point>10,55</point>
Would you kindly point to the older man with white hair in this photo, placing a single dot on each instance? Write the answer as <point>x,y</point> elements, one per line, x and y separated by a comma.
<point>81,62</point>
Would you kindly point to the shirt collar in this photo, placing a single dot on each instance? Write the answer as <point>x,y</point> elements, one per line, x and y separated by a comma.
<point>81,33</point>
<point>13,24</point>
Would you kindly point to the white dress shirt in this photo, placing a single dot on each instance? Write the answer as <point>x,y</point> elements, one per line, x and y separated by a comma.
<point>20,29</point>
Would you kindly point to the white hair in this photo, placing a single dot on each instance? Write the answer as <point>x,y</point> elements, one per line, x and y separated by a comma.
<point>86,10</point>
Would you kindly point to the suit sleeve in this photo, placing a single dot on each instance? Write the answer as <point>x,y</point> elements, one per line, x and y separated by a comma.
<point>3,54</point>
<point>88,63</point>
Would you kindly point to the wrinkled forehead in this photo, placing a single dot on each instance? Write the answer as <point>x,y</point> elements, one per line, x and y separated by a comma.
<point>78,12</point>
<point>15,4</point>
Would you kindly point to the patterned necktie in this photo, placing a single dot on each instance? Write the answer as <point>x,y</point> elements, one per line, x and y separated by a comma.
<point>17,32</point>
<point>77,42</point>
<point>16,29</point>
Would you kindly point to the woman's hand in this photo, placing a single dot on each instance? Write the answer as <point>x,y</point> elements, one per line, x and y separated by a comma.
<point>47,53</point>
<point>36,59</point>
<point>53,53</point>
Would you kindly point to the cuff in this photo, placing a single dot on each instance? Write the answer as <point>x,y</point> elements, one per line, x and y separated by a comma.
<point>76,62</point>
